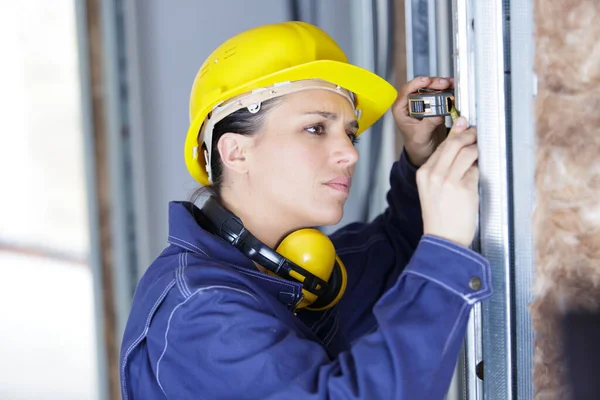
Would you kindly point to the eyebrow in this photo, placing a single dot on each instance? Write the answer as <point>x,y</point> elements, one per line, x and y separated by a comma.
<point>332,117</point>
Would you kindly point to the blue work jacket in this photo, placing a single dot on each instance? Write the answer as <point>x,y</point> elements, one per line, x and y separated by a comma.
<point>206,324</point>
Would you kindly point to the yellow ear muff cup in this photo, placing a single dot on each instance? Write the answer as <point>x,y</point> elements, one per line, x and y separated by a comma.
<point>337,283</point>
<point>313,251</point>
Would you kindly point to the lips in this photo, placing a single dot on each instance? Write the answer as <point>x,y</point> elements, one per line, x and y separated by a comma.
<point>341,183</point>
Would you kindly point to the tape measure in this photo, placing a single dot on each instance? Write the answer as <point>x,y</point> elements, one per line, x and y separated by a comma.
<point>432,103</point>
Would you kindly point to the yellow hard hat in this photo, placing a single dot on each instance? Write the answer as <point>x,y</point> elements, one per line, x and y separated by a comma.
<point>270,55</point>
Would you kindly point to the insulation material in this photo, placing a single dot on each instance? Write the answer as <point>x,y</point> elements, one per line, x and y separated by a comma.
<point>566,219</point>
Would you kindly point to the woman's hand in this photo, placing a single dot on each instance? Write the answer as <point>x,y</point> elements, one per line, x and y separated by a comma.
<point>421,136</point>
<point>448,187</point>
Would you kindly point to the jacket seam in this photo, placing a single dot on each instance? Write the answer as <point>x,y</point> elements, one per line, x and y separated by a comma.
<point>171,317</point>
<point>484,272</point>
<point>191,247</point>
<point>323,315</point>
<point>334,330</point>
<point>445,286</point>
<point>143,334</point>
<point>320,324</point>
<point>457,251</point>
<point>184,266</point>
<point>179,277</point>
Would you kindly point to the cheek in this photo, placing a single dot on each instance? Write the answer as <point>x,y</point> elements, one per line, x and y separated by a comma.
<point>290,164</point>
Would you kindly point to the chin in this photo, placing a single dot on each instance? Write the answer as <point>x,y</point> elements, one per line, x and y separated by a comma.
<point>327,216</point>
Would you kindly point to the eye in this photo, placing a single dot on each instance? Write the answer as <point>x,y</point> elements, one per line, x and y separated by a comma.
<point>317,129</point>
<point>353,138</point>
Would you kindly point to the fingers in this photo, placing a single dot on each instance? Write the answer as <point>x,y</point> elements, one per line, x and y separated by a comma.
<point>467,155</point>
<point>433,121</point>
<point>465,159</point>
<point>413,86</point>
<point>458,129</point>
<point>451,147</point>
<point>471,177</point>
<point>421,82</point>
<point>441,83</point>
<point>417,83</point>
<point>458,126</point>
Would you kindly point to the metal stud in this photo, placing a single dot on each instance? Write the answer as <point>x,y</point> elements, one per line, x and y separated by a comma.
<point>475,283</point>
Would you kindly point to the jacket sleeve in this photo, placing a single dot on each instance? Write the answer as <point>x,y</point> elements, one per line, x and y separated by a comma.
<point>222,343</point>
<point>376,253</point>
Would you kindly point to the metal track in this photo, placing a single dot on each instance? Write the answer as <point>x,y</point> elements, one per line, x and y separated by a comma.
<point>464,74</point>
<point>523,160</point>
<point>495,232</point>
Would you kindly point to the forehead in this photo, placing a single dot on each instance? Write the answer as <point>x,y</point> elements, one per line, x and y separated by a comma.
<point>307,100</point>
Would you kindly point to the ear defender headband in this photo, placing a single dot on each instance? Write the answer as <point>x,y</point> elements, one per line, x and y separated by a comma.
<point>252,101</point>
<point>306,256</point>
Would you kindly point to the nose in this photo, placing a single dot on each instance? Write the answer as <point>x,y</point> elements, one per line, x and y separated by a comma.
<point>344,151</point>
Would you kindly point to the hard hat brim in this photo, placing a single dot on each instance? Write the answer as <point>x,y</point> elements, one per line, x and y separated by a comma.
<point>374,96</point>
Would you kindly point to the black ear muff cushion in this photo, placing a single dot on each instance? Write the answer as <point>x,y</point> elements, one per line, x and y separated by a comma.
<point>334,284</point>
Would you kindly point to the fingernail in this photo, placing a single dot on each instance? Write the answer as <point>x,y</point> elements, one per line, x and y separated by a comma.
<point>443,81</point>
<point>461,122</point>
<point>424,78</point>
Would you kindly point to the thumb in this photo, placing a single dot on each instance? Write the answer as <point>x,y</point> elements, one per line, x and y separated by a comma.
<point>433,122</point>
<point>459,125</point>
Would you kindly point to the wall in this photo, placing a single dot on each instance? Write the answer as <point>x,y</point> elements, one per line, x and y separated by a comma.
<point>567,215</point>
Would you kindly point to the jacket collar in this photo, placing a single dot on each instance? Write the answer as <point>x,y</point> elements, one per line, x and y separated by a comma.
<point>186,233</point>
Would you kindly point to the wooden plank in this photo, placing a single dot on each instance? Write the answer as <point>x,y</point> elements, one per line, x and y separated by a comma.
<point>100,139</point>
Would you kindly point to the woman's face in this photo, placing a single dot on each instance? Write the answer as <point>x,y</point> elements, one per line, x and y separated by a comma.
<point>301,162</point>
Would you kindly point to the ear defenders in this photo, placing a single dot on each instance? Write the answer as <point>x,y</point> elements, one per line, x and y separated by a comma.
<point>306,256</point>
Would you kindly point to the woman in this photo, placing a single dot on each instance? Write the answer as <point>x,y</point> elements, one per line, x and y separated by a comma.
<point>376,311</point>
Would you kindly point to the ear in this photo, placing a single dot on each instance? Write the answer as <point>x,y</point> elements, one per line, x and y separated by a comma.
<point>233,148</point>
